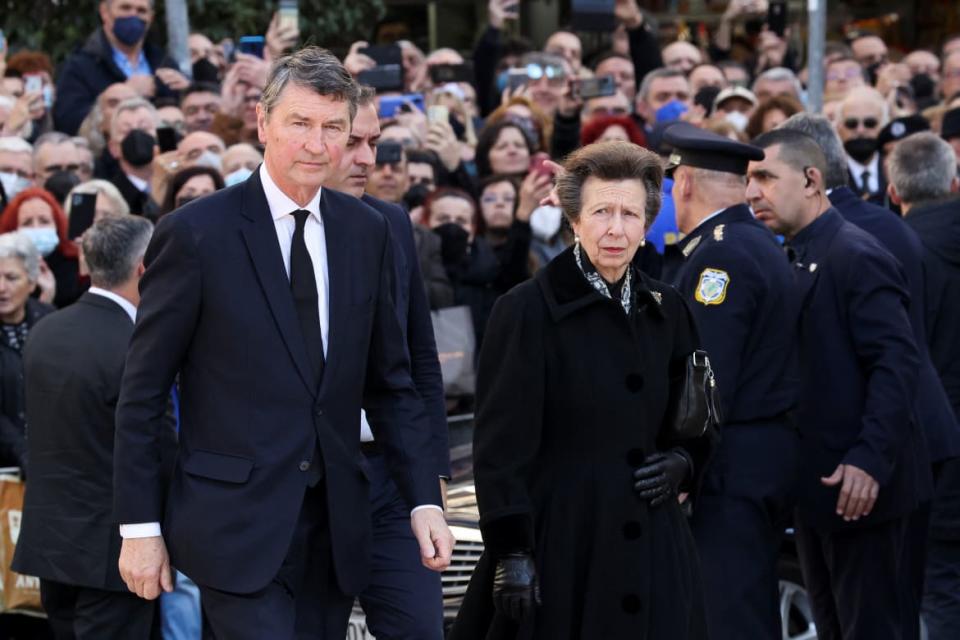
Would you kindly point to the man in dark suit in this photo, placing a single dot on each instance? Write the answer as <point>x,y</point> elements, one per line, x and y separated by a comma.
<point>73,364</point>
<point>403,599</point>
<point>865,464</point>
<point>133,143</point>
<point>272,300</point>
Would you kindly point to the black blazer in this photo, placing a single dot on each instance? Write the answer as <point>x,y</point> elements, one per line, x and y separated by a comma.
<point>216,308</point>
<point>73,364</point>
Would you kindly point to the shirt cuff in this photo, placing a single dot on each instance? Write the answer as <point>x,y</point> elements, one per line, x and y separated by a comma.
<point>427,506</point>
<point>140,530</point>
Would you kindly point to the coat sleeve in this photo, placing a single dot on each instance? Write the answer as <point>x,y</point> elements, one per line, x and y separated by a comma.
<point>75,97</point>
<point>510,400</point>
<point>486,55</point>
<point>885,346</point>
<point>644,50</point>
<point>170,302</point>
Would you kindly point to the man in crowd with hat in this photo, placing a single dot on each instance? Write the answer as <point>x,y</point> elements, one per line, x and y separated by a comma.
<point>738,283</point>
<point>865,464</point>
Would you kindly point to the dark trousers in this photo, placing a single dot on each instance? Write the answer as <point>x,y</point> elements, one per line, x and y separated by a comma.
<point>941,601</point>
<point>302,601</point>
<point>81,613</point>
<point>404,600</point>
<point>913,562</point>
<point>738,524</point>
<point>852,577</point>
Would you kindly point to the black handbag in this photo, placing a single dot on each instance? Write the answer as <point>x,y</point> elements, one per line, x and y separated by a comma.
<point>696,406</point>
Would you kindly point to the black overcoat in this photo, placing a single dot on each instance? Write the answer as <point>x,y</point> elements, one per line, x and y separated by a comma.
<point>571,395</point>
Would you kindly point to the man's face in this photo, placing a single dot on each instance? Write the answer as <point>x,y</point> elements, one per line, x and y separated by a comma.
<point>112,10</point>
<point>843,76</point>
<point>765,89</point>
<point>566,45</point>
<point>615,105</point>
<point>199,108</point>
<point>421,173</point>
<point>18,163</point>
<point>51,158</point>
<point>547,92</point>
<point>950,80</point>
<point>869,50</point>
<point>662,91</point>
<point>200,47</point>
<point>194,145</point>
<point>706,75</point>
<point>681,56</point>
<point>360,156</point>
<point>772,188</point>
<point>12,87</point>
<point>110,98</point>
<point>127,121</point>
<point>923,62</point>
<point>171,116</point>
<point>736,103</point>
<point>860,119</point>
<point>304,139</point>
<point>389,181</point>
<point>737,75</point>
<point>623,75</point>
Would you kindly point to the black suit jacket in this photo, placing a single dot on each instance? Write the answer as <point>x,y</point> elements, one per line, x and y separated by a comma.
<point>216,308</point>
<point>73,364</point>
<point>139,202</point>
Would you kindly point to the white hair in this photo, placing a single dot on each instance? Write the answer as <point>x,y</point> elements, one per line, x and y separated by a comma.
<point>17,244</point>
<point>15,144</point>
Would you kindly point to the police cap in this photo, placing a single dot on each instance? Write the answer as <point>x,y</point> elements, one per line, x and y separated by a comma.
<point>899,128</point>
<point>696,147</point>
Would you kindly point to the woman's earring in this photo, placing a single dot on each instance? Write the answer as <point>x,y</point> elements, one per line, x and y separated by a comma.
<point>576,240</point>
<point>643,242</point>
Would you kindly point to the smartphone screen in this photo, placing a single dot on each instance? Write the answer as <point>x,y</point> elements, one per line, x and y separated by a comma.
<point>386,54</point>
<point>598,87</point>
<point>251,45</point>
<point>777,17</point>
<point>444,73</point>
<point>593,15</point>
<point>289,14</point>
<point>83,207</point>
<point>166,139</point>
<point>33,83</point>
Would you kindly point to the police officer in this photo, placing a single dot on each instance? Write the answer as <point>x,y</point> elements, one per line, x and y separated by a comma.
<point>864,457</point>
<point>738,282</point>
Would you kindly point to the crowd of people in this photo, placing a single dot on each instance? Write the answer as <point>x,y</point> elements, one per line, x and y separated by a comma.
<point>473,148</point>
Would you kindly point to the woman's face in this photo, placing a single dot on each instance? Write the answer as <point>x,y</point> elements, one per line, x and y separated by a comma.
<point>773,119</point>
<point>196,187</point>
<point>15,288</point>
<point>509,154</point>
<point>451,209</point>
<point>105,208</point>
<point>615,132</point>
<point>612,224</point>
<point>35,213</point>
<point>497,203</point>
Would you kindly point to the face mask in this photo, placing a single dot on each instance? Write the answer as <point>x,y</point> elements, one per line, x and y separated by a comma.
<point>209,159</point>
<point>129,30</point>
<point>137,148</point>
<point>60,184</point>
<point>923,86</point>
<point>238,176</point>
<point>671,111</point>
<point>545,222</point>
<point>737,119</point>
<point>205,71</point>
<point>13,184</point>
<point>45,239</point>
<point>861,149</point>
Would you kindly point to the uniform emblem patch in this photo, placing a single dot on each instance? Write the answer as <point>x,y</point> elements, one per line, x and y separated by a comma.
<point>712,288</point>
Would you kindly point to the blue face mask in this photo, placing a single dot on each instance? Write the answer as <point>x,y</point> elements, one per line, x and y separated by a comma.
<point>237,176</point>
<point>129,30</point>
<point>45,239</point>
<point>671,111</point>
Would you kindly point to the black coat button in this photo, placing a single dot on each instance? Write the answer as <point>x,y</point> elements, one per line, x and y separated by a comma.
<point>632,530</point>
<point>634,382</point>
<point>304,466</point>
<point>635,457</point>
<point>319,412</point>
<point>630,603</point>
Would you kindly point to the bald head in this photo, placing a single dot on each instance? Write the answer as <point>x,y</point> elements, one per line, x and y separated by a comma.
<point>681,56</point>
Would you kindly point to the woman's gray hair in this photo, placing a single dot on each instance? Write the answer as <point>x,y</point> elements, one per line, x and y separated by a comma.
<point>312,68</point>
<point>612,160</point>
<point>17,245</point>
<point>120,206</point>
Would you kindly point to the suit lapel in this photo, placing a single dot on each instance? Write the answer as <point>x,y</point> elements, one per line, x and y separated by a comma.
<point>338,269</point>
<point>260,236</point>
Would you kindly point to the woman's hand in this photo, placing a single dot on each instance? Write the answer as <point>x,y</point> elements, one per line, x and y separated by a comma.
<point>47,283</point>
<point>356,63</point>
<point>534,189</point>
<point>280,39</point>
<point>515,588</point>
<point>660,476</point>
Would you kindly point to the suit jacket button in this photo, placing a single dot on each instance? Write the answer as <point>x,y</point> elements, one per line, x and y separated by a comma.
<point>319,412</point>
<point>304,466</point>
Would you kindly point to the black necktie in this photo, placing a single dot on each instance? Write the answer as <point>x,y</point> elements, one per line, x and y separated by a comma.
<point>303,284</point>
<point>865,182</point>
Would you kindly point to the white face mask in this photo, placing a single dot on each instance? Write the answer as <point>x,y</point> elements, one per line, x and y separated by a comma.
<point>545,221</point>
<point>45,239</point>
<point>209,159</point>
<point>13,184</point>
<point>737,119</point>
<point>237,176</point>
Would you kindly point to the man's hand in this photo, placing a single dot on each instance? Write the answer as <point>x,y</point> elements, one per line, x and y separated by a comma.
<point>497,12</point>
<point>740,8</point>
<point>174,80</point>
<point>443,141</point>
<point>355,63</point>
<point>145,566</point>
<point>47,283</point>
<point>252,70</point>
<point>432,533</point>
<point>143,84</point>
<point>534,189</point>
<point>280,39</point>
<point>858,493</point>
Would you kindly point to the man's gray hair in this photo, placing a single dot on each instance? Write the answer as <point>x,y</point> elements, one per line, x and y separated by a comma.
<point>365,95</point>
<point>51,137</point>
<point>18,245</point>
<point>312,68</point>
<point>780,74</point>
<point>657,74</point>
<point>822,131</point>
<point>921,168</point>
<point>132,104</point>
<point>113,247</point>
<point>15,144</point>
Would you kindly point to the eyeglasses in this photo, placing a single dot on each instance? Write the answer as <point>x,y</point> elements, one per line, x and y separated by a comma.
<point>849,74</point>
<point>492,198</point>
<point>868,123</point>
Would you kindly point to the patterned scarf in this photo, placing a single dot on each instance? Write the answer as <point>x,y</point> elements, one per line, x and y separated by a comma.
<point>597,282</point>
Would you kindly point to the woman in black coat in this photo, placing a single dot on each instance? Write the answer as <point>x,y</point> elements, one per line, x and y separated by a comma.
<point>577,480</point>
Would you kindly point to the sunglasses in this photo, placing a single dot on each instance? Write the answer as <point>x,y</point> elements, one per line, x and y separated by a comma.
<point>554,74</point>
<point>868,123</point>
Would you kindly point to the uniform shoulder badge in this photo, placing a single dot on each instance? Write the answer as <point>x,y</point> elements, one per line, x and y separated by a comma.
<point>712,288</point>
<point>687,250</point>
<point>657,296</point>
<point>718,232</point>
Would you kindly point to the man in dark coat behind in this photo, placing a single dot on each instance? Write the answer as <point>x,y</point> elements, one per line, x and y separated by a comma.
<point>116,52</point>
<point>73,363</point>
<point>924,183</point>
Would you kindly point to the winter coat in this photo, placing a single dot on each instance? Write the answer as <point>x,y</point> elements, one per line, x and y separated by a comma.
<point>572,395</point>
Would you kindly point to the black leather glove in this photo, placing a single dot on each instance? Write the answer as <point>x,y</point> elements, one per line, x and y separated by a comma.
<point>660,476</point>
<point>515,588</point>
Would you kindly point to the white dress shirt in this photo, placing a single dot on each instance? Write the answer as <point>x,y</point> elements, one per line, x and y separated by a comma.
<point>125,304</point>
<point>857,169</point>
<point>142,185</point>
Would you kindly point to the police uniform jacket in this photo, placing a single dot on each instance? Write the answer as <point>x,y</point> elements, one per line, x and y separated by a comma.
<point>738,282</point>
<point>572,395</point>
<point>859,364</point>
